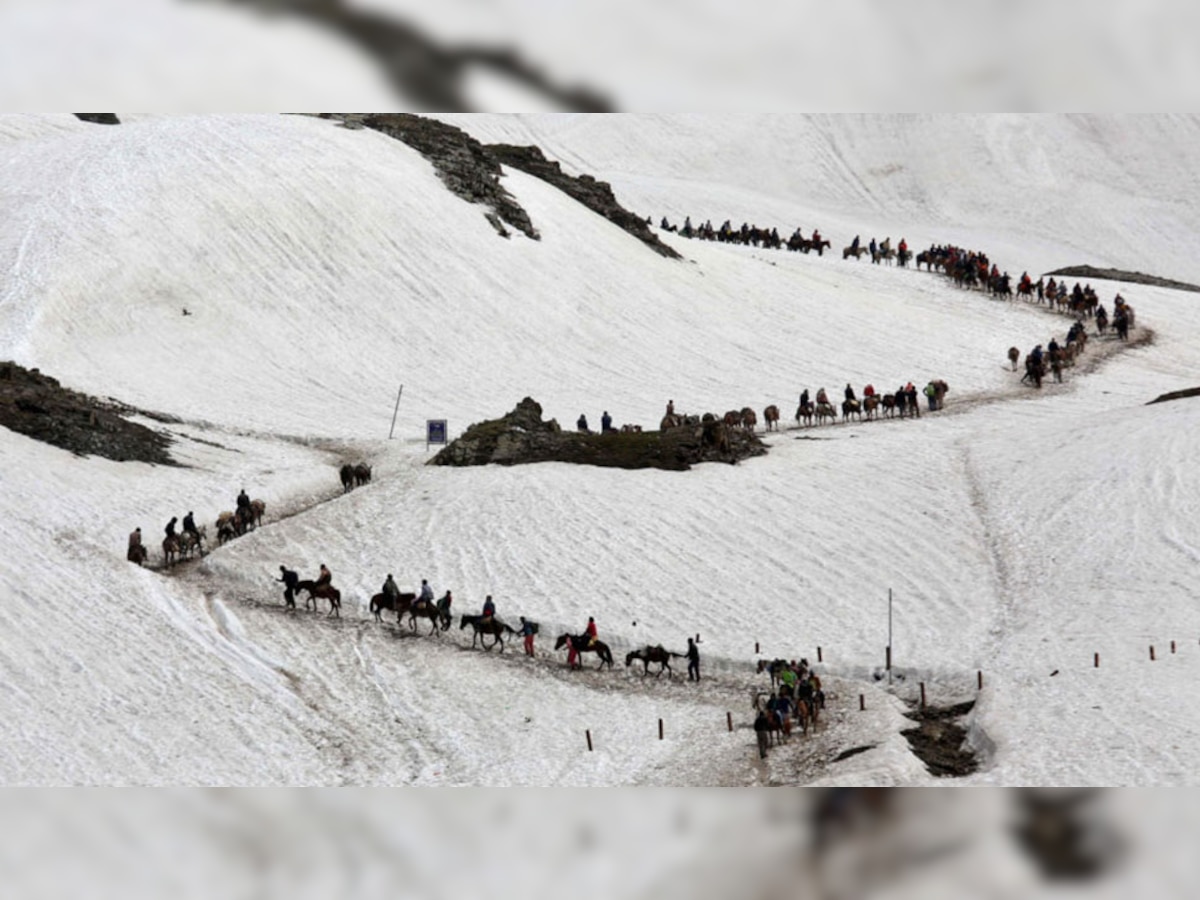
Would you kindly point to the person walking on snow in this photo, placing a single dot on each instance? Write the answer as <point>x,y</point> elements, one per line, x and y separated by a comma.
<point>289,579</point>
<point>693,658</point>
<point>528,630</point>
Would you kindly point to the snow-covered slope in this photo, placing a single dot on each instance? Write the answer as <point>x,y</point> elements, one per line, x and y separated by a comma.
<point>323,267</point>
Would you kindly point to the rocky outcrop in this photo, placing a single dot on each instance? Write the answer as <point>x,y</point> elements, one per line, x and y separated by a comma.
<point>1123,275</point>
<point>99,118</point>
<point>522,437</point>
<point>39,407</point>
<point>464,166</point>
<point>595,195</point>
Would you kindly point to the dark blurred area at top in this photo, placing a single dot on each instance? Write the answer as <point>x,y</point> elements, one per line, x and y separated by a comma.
<point>422,71</point>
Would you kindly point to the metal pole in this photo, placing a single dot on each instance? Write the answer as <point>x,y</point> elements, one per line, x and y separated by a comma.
<point>395,412</point>
<point>889,659</point>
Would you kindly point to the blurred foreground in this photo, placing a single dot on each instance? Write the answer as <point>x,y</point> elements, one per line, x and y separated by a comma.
<point>823,843</point>
<point>516,55</point>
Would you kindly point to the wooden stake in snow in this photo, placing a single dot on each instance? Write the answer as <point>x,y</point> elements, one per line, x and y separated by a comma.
<point>1172,646</point>
<point>756,648</point>
<point>819,659</point>
<point>729,720</point>
<point>979,680</point>
<point>862,703</point>
<point>1096,661</point>
<point>922,695</point>
<point>588,732</point>
<point>1152,653</point>
<point>660,730</point>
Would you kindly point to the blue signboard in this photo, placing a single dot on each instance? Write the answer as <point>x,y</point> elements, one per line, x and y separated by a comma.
<point>435,431</point>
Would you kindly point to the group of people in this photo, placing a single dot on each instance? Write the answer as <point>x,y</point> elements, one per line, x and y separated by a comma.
<point>792,682</point>
<point>905,396</point>
<point>606,424</point>
<point>174,530</point>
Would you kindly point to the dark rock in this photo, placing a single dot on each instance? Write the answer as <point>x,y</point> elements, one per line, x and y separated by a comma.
<point>99,118</point>
<point>522,437</point>
<point>1123,275</point>
<point>595,195</point>
<point>37,406</point>
<point>1176,395</point>
<point>464,166</point>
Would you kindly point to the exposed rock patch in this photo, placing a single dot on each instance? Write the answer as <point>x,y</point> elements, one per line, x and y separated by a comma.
<point>1176,395</point>
<point>99,118</point>
<point>39,407</point>
<point>463,164</point>
<point>595,195</point>
<point>1124,275</point>
<point>522,437</point>
<point>940,742</point>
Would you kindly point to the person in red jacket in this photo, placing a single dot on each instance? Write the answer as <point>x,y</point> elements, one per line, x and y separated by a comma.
<point>590,631</point>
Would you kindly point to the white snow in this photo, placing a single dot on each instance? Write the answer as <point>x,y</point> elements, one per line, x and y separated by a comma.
<point>323,268</point>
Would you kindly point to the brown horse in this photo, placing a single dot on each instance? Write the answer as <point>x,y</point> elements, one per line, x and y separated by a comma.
<point>670,421</point>
<point>826,411</point>
<point>749,418</point>
<point>321,592</point>
<point>856,252</point>
<point>362,474</point>
<point>871,406</point>
<point>170,547</point>
<point>1014,355</point>
<point>656,654</point>
<point>438,615</point>
<point>733,419</point>
<point>581,645</point>
<point>137,554</point>
<point>771,417</point>
<point>257,509</point>
<point>347,476</point>
<point>805,412</point>
<point>380,602</point>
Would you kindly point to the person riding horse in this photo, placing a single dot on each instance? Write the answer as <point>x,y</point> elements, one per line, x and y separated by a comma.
<point>137,551</point>
<point>170,529</point>
<point>426,594</point>
<point>325,579</point>
<point>189,527</point>
<point>489,611</point>
<point>391,590</point>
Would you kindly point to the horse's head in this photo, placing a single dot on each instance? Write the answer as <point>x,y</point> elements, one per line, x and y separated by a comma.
<point>560,642</point>
<point>463,624</point>
<point>629,658</point>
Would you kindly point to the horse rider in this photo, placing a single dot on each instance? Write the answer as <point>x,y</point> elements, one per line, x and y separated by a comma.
<point>854,245</point>
<point>528,630</point>
<point>170,529</point>
<point>816,238</point>
<point>391,590</point>
<point>886,247</point>
<point>869,390</point>
<point>822,397</point>
<point>590,632</point>
<point>489,611</point>
<point>693,658</point>
<point>426,594</point>
<point>189,527</point>
<point>903,248</point>
<point>850,393</point>
<point>290,580</point>
<point>605,423</point>
<point>136,552</point>
<point>804,399</point>
<point>243,500</point>
<point>670,407</point>
<point>582,424</point>
<point>325,577</point>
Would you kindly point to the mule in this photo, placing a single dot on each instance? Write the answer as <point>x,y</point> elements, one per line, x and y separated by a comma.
<point>347,476</point>
<point>362,474</point>
<point>257,509</point>
<point>851,408</point>
<point>170,547</point>
<point>580,643</point>
<point>193,542</point>
<point>871,406</point>
<point>856,252</point>
<point>749,418</point>
<point>826,411</point>
<point>771,417</point>
<point>493,626</point>
<point>137,554</point>
<point>320,592</point>
<point>399,605</point>
<point>804,411</point>
<point>655,654</point>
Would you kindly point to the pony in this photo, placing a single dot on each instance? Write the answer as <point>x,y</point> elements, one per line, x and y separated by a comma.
<point>190,542</point>
<point>889,405</point>
<point>257,509</point>
<point>362,474</point>
<point>749,418</point>
<point>347,476</point>
<point>856,252</point>
<point>805,412</point>
<point>851,408</point>
<point>670,421</point>
<point>137,554</point>
<point>1013,356</point>
<point>399,606</point>
<point>649,655</point>
<point>170,547</point>
<point>771,417</point>
<point>495,628</point>
<point>318,592</point>
<point>871,406</point>
<point>438,615</point>
<point>826,411</point>
<point>631,429</point>
<point>733,419</point>
<point>580,643</point>
<point>772,668</point>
